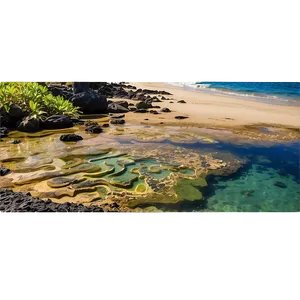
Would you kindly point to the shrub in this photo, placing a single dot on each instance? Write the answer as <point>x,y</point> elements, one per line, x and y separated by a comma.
<point>34,99</point>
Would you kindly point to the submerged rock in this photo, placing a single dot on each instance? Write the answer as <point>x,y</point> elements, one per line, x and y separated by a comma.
<point>29,125</point>
<point>60,182</point>
<point>57,122</point>
<point>280,184</point>
<point>4,171</point>
<point>94,129</point>
<point>70,138</point>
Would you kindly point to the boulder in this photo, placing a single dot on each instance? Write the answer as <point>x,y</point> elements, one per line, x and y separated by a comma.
<point>144,105</point>
<point>94,129</point>
<point>70,138</point>
<point>29,125</point>
<point>90,102</point>
<point>57,122</point>
<point>79,87</point>
<point>60,90</point>
<point>16,112</point>
<point>117,108</point>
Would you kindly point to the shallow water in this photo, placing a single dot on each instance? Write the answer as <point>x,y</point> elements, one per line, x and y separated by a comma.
<point>171,172</point>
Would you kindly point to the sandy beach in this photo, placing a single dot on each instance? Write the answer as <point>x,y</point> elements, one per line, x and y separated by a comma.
<point>209,110</point>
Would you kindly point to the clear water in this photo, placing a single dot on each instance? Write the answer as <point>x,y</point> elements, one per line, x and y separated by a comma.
<point>269,182</point>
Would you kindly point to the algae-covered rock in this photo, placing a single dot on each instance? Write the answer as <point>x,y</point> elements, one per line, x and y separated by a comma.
<point>60,182</point>
<point>140,188</point>
<point>154,169</point>
<point>187,189</point>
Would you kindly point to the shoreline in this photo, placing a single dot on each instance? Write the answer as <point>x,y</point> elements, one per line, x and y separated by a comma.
<point>262,98</point>
<point>244,117</point>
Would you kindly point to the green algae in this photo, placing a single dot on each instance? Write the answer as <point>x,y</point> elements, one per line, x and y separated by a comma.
<point>187,189</point>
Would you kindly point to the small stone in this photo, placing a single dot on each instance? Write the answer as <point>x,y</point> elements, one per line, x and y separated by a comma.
<point>181,117</point>
<point>117,121</point>
<point>181,101</point>
<point>166,110</point>
<point>70,138</point>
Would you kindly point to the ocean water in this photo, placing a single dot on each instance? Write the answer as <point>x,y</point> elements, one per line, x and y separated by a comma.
<point>269,182</point>
<point>286,93</point>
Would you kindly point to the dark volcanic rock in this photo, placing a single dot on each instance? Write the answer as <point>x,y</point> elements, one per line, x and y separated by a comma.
<point>144,105</point>
<point>155,112</point>
<point>165,109</point>
<point>70,138</point>
<point>57,122</point>
<point>23,202</point>
<point>15,142</point>
<point>16,112</point>
<point>117,121</point>
<point>105,125</point>
<point>122,103</point>
<point>117,116</point>
<point>79,87</point>
<point>60,90</point>
<point>181,117</point>
<point>90,123</point>
<point>4,171</point>
<point>141,110</point>
<point>181,101</point>
<point>77,121</point>
<point>94,129</point>
<point>29,125</point>
<point>90,102</point>
<point>280,184</point>
<point>3,132</point>
<point>117,108</point>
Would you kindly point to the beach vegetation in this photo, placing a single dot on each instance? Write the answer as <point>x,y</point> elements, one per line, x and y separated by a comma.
<point>35,99</point>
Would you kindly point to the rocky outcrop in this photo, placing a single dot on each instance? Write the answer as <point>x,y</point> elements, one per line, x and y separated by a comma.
<point>90,102</point>
<point>79,87</point>
<point>23,202</point>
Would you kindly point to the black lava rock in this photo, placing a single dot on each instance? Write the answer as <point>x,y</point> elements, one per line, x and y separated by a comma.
<point>141,110</point>
<point>57,122</point>
<point>94,129</point>
<point>117,121</point>
<point>181,101</point>
<point>165,109</point>
<point>117,108</point>
<point>181,117</point>
<point>29,125</point>
<point>4,171</point>
<point>70,138</point>
<point>23,202</point>
<point>3,132</point>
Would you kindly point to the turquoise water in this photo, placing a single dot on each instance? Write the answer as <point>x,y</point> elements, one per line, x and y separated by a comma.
<point>269,182</point>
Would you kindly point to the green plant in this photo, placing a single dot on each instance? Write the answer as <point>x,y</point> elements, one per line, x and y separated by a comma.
<point>34,99</point>
<point>36,111</point>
